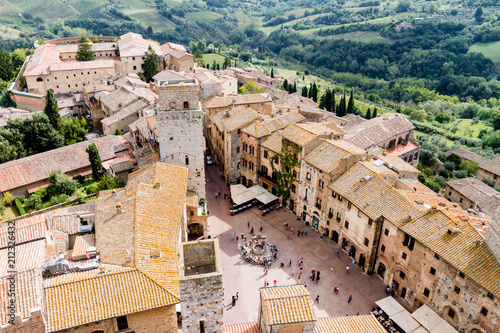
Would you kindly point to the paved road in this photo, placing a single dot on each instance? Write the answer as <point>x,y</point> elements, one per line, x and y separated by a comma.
<point>318,254</point>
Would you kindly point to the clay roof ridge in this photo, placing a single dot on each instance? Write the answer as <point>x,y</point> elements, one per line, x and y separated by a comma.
<point>122,270</point>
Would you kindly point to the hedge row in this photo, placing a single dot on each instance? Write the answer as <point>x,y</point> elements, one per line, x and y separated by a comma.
<point>20,207</point>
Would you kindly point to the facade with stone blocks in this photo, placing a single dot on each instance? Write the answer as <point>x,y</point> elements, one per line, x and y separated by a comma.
<point>180,129</point>
<point>200,284</point>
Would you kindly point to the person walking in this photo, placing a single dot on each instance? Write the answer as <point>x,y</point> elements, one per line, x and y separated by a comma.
<point>347,269</point>
<point>282,265</point>
<point>317,274</point>
<point>233,300</point>
<point>265,282</point>
<point>338,252</point>
<point>275,283</point>
<point>350,299</point>
<point>300,275</point>
<point>232,236</point>
<point>317,278</point>
<point>290,262</point>
<point>237,295</point>
<point>298,233</point>
<point>313,275</point>
<point>302,233</point>
<point>260,227</point>
<point>317,299</point>
<point>336,290</point>
<point>248,224</point>
<point>305,232</point>
<point>291,230</point>
<point>242,235</point>
<point>322,234</point>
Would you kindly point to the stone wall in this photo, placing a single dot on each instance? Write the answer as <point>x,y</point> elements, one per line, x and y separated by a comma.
<point>181,143</point>
<point>210,90</point>
<point>447,288</point>
<point>457,197</point>
<point>201,286</point>
<point>32,324</point>
<point>246,171</point>
<point>482,173</point>
<point>493,236</point>
<point>174,97</point>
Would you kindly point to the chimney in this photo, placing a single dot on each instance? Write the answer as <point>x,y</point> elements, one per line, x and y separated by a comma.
<point>157,185</point>
<point>119,209</point>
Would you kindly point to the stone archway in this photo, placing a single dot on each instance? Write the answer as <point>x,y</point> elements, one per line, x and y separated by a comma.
<point>244,180</point>
<point>195,231</point>
<point>335,236</point>
<point>352,251</point>
<point>250,183</point>
<point>361,261</point>
<point>450,315</point>
<point>292,205</point>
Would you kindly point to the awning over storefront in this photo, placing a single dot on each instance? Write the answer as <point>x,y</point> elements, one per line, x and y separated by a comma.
<point>240,194</point>
<point>390,306</point>
<point>404,320</point>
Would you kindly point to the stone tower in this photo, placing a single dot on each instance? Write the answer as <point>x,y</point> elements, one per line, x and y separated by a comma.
<point>493,236</point>
<point>200,285</point>
<point>180,127</point>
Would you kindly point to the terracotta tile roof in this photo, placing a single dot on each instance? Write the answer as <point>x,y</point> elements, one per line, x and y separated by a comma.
<point>219,102</point>
<point>239,119</point>
<point>39,61</point>
<point>356,175</point>
<point>286,305</point>
<point>492,166</point>
<point>28,256</point>
<point>76,299</point>
<point>468,155</point>
<point>398,164</point>
<point>26,230</point>
<point>149,222</point>
<point>121,164</point>
<point>82,243</point>
<point>273,142</point>
<point>129,110</point>
<point>415,185</point>
<point>302,134</point>
<point>29,293</point>
<point>349,324</point>
<point>172,46</point>
<point>207,78</point>
<point>261,128</point>
<point>331,153</point>
<point>37,167</point>
<point>132,44</point>
<point>242,328</point>
<point>378,129</point>
<point>67,219</point>
<point>168,75</point>
<point>484,196</point>
<point>466,249</point>
<point>376,198</point>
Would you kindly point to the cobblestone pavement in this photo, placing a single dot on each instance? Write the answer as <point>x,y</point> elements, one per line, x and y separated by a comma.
<point>318,254</point>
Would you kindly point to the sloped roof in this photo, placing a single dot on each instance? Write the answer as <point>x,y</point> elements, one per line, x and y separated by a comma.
<point>167,75</point>
<point>302,134</point>
<point>172,46</point>
<point>37,167</point>
<point>218,101</point>
<point>349,324</point>
<point>260,128</point>
<point>149,222</point>
<point>287,304</point>
<point>273,142</point>
<point>492,166</point>
<point>466,250</point>
<point>468,155</point>
<point>378,129</point>
<point>95,295</point>
<point>26,230</point>
<point>252,327</point>
<point>81,65</point>
<point>132,44</point>
<point>331,153</point>
<point>127,111</point>
<point>486,197</point>
<point>239,119</point>
<point>206,78</point>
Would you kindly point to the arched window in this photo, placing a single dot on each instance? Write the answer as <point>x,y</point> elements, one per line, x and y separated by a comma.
<point>39,79</point>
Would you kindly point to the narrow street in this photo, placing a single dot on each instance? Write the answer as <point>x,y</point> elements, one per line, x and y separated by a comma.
<point>318,254</point>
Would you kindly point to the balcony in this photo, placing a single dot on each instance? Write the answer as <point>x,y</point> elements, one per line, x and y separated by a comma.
<point>266,176</point>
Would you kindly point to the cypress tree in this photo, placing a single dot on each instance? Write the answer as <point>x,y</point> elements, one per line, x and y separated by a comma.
<point>272,73</point>
<point>350,106</point>
<point>323,101</point>
<point>285,84</point>
<point>368,114</point>
<point>52,110</point>
<point>315,92</point>
<point>304,91</point>
<point>374,113</point>
<point>295,87</point>
<point>309,94</point>
<point>95,161</point>
<point>333,100</point>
